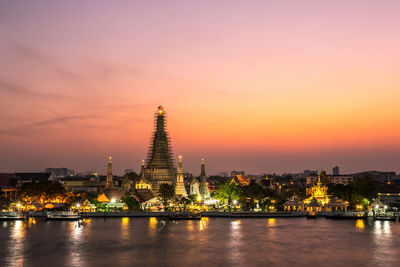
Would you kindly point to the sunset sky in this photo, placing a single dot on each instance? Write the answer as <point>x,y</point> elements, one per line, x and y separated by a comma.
<point>260,86</point>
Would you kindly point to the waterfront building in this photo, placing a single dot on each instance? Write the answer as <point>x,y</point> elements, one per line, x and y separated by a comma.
<point>179,185</point>
<point>336,204</point>
<point>314,206</point>
<point>293,204</point>
<point>318,192</point>
<point>204,192</point>
<point>159,168</point>
<point>110,193</point>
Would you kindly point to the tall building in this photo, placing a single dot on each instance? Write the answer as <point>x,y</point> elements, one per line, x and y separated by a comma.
<point>335,170</point>
<point>110,182</point>
<point>110,193</point>
<point>179,185</point>
<point>159,168</point>
<point>204,192</point>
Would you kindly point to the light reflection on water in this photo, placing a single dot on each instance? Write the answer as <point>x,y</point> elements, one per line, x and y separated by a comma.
<point>125,228</point>
<point>235,243</point>
<point>360,224</point>
<point>16,244</point>
<point>213,241</point>
<point>75,234</point>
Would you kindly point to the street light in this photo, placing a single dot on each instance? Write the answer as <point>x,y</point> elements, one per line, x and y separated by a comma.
<point>113,200</point>
<point>78,205</point>
<point>199,198</point>
<point>18,205</point>
<point>235,202</point>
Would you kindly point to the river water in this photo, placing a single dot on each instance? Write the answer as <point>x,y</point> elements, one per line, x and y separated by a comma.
<point>209,242</point>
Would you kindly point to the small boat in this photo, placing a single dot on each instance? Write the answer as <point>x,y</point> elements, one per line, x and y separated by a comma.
<point>386,218</point>
<point>63,216</point>
<point>312,215</point>
<point>184,216</point>
<point>11,216</point>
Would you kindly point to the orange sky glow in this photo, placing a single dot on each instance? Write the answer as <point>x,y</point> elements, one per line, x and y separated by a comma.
<point>263,86</point>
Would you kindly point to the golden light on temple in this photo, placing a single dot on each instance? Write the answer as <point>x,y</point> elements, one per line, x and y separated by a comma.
<point>160,110</point>
<point>319,192</point>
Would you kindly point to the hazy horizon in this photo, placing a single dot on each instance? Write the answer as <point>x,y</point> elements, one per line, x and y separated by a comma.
<point>260,86</point>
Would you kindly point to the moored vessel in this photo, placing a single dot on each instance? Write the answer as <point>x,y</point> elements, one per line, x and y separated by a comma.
<point>11,216</point>
<point>63,216</point>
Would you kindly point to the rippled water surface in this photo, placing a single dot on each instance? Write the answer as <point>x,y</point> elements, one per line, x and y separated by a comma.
<point>209,242</point>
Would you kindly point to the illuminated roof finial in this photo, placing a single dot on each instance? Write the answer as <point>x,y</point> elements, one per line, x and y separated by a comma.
<point>160,110</point>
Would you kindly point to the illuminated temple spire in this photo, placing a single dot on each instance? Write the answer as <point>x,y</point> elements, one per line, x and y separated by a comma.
<point>159,168</point>
<point>143,183</point>
<point>179,185</point>
<point>204,192</point>
<point>109,182</point>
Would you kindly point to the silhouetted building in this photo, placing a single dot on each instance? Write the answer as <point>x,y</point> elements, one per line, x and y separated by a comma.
<point>335,170</point>
<point>234,173</point>
<point>60,172</point>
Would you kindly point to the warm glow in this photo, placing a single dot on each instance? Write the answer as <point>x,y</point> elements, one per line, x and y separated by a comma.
<point>275,81</point>
<point>360,224</point>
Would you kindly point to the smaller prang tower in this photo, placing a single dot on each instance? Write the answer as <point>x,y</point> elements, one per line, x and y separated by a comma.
<point>109,183</point>
<point>204,192</point>
<point>179,185</point>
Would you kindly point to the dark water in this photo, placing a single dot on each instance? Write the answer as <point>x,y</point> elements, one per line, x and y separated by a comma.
<point>210,242</point>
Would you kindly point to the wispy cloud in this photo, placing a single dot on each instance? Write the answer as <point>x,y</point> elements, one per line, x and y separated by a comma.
<point>21,90</point>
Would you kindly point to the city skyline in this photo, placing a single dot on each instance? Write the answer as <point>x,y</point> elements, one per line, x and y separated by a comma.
<point>265,87</point>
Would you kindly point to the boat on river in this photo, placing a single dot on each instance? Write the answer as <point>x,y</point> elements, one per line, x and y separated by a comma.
<point>11,216</point>
<point>184,216</point>
<point>347,215</point>
<point>63,216</point>
<point>312,215</point>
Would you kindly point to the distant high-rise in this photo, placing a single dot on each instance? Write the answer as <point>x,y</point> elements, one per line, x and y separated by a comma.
<point>335,170</point>
<point>179,185</point>
<point>159,168</point>
<point>204,192</point>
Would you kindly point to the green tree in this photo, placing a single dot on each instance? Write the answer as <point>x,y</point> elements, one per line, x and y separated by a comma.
<point>166,193</point>
<point>253,192</point>
<point>227,192</point>
<point>132,203</point>
<point>44,191</point>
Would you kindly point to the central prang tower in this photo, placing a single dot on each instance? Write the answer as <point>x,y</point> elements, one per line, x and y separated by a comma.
<point>159,168</point>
